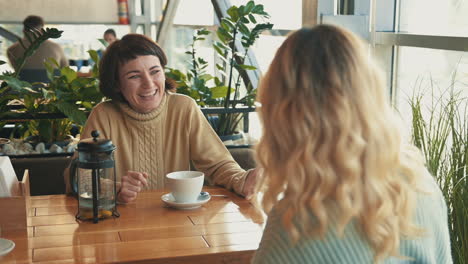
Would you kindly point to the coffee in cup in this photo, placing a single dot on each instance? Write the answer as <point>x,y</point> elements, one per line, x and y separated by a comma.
<point>185,185</point>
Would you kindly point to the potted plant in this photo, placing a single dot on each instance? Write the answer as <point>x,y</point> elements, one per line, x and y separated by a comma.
<point>440,131</point>
<point>224,89</point>
<point>48,110</point>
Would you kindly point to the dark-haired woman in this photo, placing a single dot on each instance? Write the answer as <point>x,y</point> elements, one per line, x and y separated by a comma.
<point>156,131</point>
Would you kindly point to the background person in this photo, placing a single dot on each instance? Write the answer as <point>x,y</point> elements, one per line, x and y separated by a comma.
<point>340,185</point>
<point>155,131</point>
<point>48,49</point>
<point>110,36</point>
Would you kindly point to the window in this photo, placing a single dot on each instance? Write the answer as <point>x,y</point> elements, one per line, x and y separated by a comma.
<point>191,12</point>
<point>434,17</point>
<point>284,15</point>
<point>429,71</point>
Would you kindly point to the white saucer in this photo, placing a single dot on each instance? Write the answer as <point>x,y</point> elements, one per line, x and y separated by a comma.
<point>169,200</point>
<point>6,246</point>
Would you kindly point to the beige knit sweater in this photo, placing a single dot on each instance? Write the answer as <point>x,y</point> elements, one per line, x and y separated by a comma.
<point>165,140</point>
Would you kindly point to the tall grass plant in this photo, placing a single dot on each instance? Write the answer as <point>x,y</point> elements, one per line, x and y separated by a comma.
<point>440,130</point>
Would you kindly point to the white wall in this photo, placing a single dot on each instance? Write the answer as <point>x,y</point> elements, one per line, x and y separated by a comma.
<point>60,11</point>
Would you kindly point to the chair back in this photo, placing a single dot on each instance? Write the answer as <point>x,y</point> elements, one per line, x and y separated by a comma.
<point>35,75</point>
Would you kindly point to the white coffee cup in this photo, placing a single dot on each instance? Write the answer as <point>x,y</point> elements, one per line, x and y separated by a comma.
<point>185,185</point>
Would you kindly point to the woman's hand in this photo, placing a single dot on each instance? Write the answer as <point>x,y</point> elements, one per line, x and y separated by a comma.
<point>132,183</point>
<point>253,177</point>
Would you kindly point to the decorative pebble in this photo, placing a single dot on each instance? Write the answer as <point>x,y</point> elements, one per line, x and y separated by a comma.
<point>26,147</point>
<point>18,147</point>
<point>40,147</point>
<point>55,149</point>
<point>9,149</point>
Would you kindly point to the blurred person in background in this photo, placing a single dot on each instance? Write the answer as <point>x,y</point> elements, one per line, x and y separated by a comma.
<point>48,49</point>
<point>110,36</point>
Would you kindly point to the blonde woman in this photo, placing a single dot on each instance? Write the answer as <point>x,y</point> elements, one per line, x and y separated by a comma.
<point>339,184</point>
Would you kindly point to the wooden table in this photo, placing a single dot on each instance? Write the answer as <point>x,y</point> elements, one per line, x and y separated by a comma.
<point>224,230</point>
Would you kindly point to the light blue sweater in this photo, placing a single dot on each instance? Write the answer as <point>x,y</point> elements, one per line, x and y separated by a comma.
<point>432,247</point>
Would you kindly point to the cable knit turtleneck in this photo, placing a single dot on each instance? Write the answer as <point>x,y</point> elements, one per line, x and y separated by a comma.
<point>165,140</point>
<point>148,141</point>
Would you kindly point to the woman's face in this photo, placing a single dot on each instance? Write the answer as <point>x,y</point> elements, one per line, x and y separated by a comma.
<point>142,83</point>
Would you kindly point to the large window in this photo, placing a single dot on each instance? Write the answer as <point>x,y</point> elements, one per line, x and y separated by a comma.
<point>430,72</point>
<point>424,69</point>
<point>188,18</point>
<point>420,44</point>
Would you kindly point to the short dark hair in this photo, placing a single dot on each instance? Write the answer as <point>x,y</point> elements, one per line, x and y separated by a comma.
<point>110,31</point>
<point>32,23</point>
<point>120,52</point>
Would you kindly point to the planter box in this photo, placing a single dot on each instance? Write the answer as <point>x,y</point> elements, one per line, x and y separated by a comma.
<point>45,173</point>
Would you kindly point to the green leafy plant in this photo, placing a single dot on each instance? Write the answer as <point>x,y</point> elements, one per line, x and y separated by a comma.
<point>224,89</point>
<point>66,94</point>
<point>10,80</point>
<point>441,132</point>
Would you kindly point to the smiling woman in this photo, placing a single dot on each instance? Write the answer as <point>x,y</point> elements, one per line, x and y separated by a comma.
<point>131,64</point>
<point>155,131</point>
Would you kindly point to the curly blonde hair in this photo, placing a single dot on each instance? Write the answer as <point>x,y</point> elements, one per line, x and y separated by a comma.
<point>331,138</point>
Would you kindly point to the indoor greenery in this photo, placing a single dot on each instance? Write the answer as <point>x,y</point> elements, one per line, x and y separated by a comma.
<point>66,94</point>
<point>224,88</point>
<point>441,132</point>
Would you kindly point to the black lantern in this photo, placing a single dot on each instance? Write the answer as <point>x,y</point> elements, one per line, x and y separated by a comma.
<point>96,179</point>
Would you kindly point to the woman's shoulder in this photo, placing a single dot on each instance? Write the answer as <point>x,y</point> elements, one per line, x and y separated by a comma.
<point>107,107</point>
<point>180,98</point>
<point>180,101</point>
<point>428,189</point>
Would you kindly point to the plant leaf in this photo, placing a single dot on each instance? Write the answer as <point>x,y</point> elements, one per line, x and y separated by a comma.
<point>244,29</point>
<point>233,12</point>
<point>249,6</point>
<point>219,91</point>
<point>14,83</point>
<point>103,42</point>
<point>252,19</point>
<point>206,77</point>
<point>69,73</point>
<point>227,24</point>
<point>94,55</point>
<point>71,111</point>
<point>87,105</point>
<point>247,67</point>
<point>245,20</point>
<point>203,31</point>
